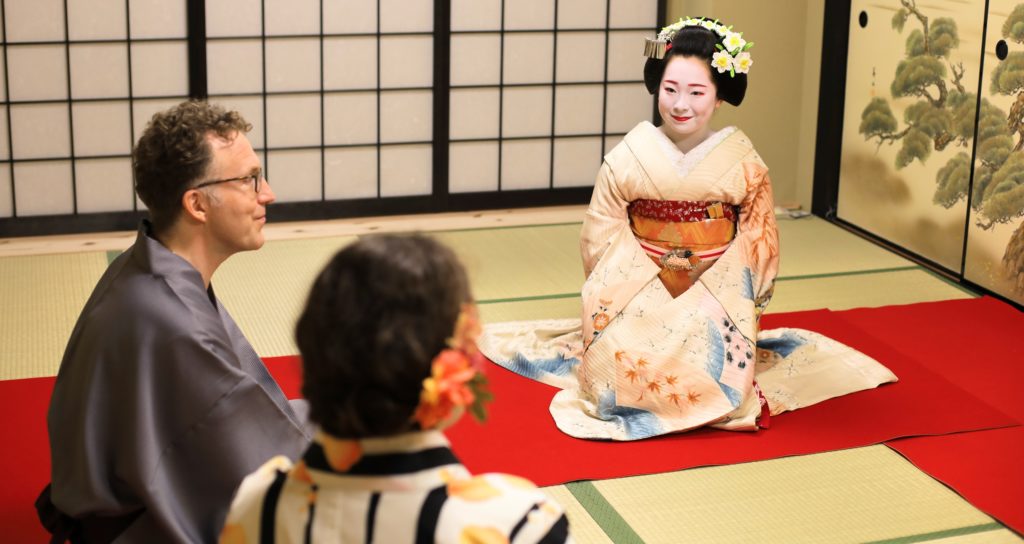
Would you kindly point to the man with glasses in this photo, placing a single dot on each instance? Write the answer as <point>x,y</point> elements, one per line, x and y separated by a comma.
<point>161,406</point>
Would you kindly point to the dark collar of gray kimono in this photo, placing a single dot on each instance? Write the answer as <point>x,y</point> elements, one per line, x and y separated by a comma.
<point>154,257</point>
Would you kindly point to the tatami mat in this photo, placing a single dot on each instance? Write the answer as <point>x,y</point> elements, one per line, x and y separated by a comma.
<point>859,495</point>
<point>266,290</point>
<point>858,290</point>
<point>41,297</point>
<point>520,262</point>
<point>812,246</point>
<point>584,529</point>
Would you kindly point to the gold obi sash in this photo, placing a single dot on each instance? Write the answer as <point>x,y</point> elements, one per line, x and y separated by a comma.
<point>682,237</point>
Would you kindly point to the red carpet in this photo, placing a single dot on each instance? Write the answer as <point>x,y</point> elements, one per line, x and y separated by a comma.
<point>979,345</point>
<point>975,344</point>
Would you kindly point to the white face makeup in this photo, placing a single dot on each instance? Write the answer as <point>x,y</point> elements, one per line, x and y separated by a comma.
<point>687,100</point>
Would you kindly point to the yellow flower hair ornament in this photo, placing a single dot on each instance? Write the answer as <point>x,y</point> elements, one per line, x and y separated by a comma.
<point>732,55</point>
<point>456,377</point>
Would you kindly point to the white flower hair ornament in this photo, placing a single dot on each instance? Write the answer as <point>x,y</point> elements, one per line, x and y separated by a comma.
<point>732,55</point>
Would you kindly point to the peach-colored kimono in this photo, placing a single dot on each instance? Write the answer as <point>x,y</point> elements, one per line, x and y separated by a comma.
<point>644,363</point>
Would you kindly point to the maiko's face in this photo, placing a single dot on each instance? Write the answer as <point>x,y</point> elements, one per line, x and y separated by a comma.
<point>687,100</point>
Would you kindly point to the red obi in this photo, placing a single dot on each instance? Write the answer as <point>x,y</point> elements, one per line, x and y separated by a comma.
<point>677,211</point>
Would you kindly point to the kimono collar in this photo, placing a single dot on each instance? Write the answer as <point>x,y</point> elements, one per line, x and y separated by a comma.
<point>180,275</point>
<point>416,460</point>
<point>670,171</point>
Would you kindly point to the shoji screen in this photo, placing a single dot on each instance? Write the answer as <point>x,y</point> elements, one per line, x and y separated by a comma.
<point>80,78</point>
<point>540,89</point>
<point>340,91</point>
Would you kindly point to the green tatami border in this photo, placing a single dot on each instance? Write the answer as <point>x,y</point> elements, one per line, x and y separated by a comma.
<point>938,535</point>
<point>602,512</point>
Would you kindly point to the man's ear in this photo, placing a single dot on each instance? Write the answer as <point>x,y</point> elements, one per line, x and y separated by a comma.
<point>195,204</point>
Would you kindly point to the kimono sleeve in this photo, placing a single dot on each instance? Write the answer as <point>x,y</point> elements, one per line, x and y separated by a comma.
<point>226,426</point>
<point>605,217</point>
<point>757,224</point>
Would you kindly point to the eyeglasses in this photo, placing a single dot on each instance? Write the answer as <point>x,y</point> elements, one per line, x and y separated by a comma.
<point>256,179</point>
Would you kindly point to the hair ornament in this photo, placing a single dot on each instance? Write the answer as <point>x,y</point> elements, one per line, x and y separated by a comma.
<point>456,377</point>
<point>732,55</point>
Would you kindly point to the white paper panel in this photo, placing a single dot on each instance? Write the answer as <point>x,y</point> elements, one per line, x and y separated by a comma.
<point>473,167</point>
<point>234,66</point>
<point>34,20</point>
<point>292,17</point>
<point>527,111</point>
<point>406,61</point>
<point>350,63</point>
<point>43,188</point>
<point>581,13</point>
<point>143,110</point>
<point>293,64</point>
<point>474,113</point>
<point>628,104</point>
<point>158,19</point>
<point>350,16</point>
<point>104,185</point>
<point>405,170</point>
<point>576,161</point>
<point>529,14</point>
<point>476,59</point>
<point>626,55</point>
<point>406,16</point>
<point>610,142</point>
<point>160,69</point>
<point>351,118</point>
<point>40,131</point>
<point>350,172</point>
<point>96,19</point>
<point>529,57</point>
<point>6,200</point>
<point>293,120</point>
<point>578,109</point>
<point>251,109</point>
<point>101,128</point>
<point>525,164</point>
<point>99,70</point>
<point>232,18</point>
<point>634,14</point>
<point>37,72</point>
<point>580,56</point>
<point>406,116</point>
<point>5,150</point>
<point>476,15</point>
<point>295,174</point>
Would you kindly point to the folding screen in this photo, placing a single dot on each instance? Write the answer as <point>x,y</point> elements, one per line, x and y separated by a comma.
<point>995,233</point>
<point>931,158</point>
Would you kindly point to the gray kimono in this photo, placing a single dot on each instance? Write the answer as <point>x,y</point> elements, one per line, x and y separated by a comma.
<point>161,405</point>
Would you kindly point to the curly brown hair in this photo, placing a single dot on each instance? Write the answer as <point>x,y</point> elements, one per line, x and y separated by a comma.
<point>376,317</point>
<point>172,154</point>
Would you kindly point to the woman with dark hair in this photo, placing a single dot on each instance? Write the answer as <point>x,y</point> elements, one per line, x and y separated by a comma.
<point>388,341</point>
<point>680,249</point>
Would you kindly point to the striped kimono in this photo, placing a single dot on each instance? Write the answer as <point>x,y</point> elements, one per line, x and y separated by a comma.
<point>407,488</point>
<point>644,361</point>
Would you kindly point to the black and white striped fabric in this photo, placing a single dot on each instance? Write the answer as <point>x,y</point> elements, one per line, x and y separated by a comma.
<point>405,489</point>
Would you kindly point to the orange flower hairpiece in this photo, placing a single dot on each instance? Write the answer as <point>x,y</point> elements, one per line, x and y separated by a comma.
<point>456,379</point>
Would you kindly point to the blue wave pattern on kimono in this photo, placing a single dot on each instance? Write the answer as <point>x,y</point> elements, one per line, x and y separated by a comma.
<point>716,363</point>
<point>636,422</point>
<point>783,345</point>
<point>748,284</point>
<point>535,369</point>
